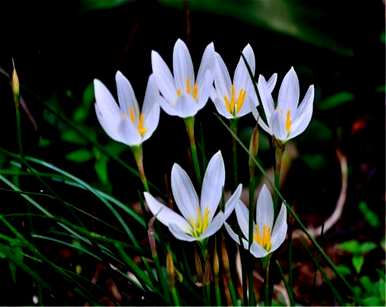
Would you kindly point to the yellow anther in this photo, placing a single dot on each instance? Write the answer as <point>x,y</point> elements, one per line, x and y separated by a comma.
<point>201,223</point>
<point>233,104</point>
<point>263,238</point>
<point>179,92</point>
<point>240,100</point>
<point>132,114</point>
<point>189,90</point>
<point>195,91</point>
<point>288,122</point>
<point>141,128</point>
<point>188,86</point>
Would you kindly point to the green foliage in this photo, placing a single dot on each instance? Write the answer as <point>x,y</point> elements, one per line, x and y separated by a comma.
<point>358,249</point>
<point>335,101</point>
<point>80,155</point>
<point>371,293</point>
<point>300,19</point>
<point>370,216</point>
<point>90,5</point>
<point>315,161</point>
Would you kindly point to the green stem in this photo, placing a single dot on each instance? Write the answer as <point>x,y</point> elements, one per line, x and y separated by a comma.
<point>286,284</point>
<point>138,156</point>
<point>267,287</point>
<point>176,299</point>
<point>233,126</point>
<point>189,124</point>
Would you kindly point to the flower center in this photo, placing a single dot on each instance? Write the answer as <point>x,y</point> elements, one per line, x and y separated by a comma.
<point>140,123</point>
<point>263,238</point>
<point>201,223</point>
<point>288,122</point>
<point>190,89</point>
<point>234,104</point>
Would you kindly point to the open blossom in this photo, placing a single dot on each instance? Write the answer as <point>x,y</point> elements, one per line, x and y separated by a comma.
<point>267,237</point>
<point>126,123</point>
<point>183,95</point>
<point>234,99</point>
<point>198,220</point>
<point>288,119</point>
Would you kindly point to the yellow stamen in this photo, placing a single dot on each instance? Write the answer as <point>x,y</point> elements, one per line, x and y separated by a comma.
<point>234,104</point>
<point>191,91</point>
<point>201,223</point>
<point>132,114</point>
<point>240,100</point>
<point>141,128</point>
<point>264,238</point>
<point>179,92</point>
<point>288,122</point>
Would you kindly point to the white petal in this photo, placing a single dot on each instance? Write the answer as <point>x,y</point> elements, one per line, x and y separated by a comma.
<point>109,124</point>
<point>242,215</point>
<point>220,107</point>
<point>264,126</point>
<point>264,208</point>
<point>129,133</point>
<point>184,193</point>
<point>167,107</point>
<point>182,65</point>
<point>106,102</point>
<point>231,233</point>
<point>179,234</point>
<point>212,185</point>
<point>232,201</point>
<point>164,78</point>
<point>164,214</point>
<point>204,90</point>
<point>242,77</point>
<point>278,127</point>
<point>258,251</point>
<point>302,121</point>
<point>185,106</point>
<point>289,92</point>
<point>280,229</point>
<point>246,108</point>
<point>222,80</point>
<point>266,97</point>
<point>214,226</point>
<point>126,96</point>
<point>308,98</point>
<point>206,64</point>
<point>151,107</point>
<point>272,82</point>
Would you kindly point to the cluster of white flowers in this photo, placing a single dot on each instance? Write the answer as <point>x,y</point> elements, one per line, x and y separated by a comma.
<point>181,94</point>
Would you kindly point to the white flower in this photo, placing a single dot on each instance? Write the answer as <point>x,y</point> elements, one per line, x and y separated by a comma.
<point>234,99</point>
<point>266,238</point>
<point>197,221</point>
<point>288,119</point>
<point>125,123</point>
<point>183,95</point>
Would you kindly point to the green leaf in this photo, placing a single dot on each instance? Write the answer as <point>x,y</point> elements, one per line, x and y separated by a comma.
<point>315,161</point>
<point>371,301</point>
<point>81,155</point>
<point>367,247</point>
<point>335,101</point>
<point>357,262</point>
<point>367,284</point>
<point>370,216</point>
<point>73,137</point>
<point>290,17</point>
<point>88,5</point>
<point>344,270</point>
<point>101,169</point>
<point>351,246</point>
<point>43,142</point>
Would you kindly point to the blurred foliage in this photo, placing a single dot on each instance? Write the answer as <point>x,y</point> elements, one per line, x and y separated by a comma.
<point>291,17</point>
<point>335,101</point>
<point>370,216</point>
<point>358,250</point>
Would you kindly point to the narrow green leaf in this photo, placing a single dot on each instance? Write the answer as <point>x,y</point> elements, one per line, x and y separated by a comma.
<point>370,216</point>
<point>357,262</point>
<point>81,155</point>
<point>351,246</point>
<point>367,247</point>
<point>344,270</point>
<point>335,101</point>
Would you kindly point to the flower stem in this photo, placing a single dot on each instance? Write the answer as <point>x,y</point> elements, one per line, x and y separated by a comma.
<point>138,156</point>
<point>189,123</point>
<point>267,286</point>
<point>233,126</point>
